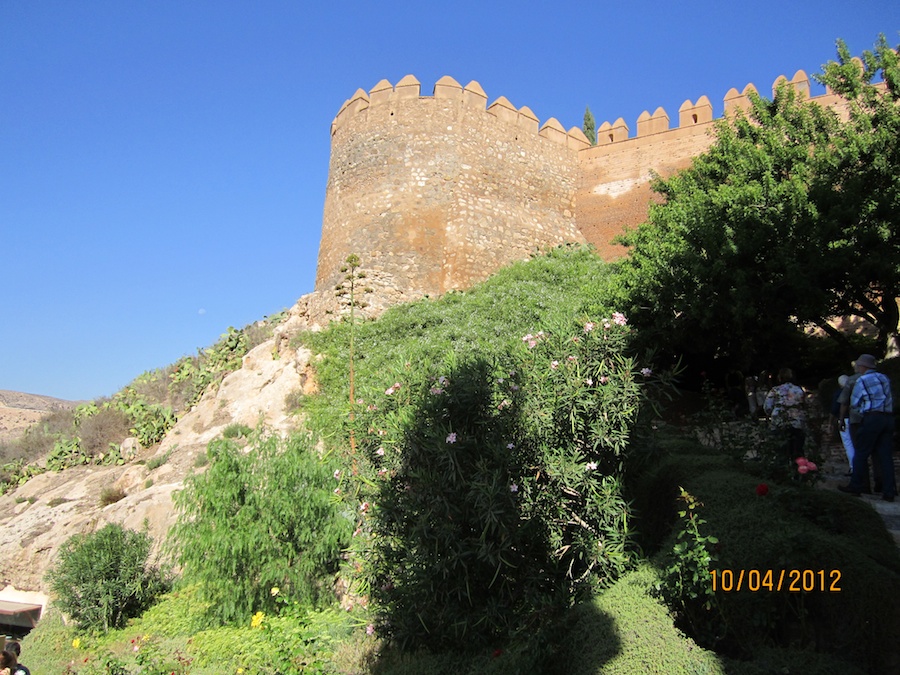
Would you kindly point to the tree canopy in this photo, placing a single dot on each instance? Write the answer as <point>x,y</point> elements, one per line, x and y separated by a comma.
<point>789,218</point>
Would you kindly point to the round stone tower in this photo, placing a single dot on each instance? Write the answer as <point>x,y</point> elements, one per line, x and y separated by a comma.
<point>435,193</point>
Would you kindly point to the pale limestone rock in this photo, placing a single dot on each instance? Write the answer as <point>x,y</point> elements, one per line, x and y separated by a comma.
<point>40,515</point>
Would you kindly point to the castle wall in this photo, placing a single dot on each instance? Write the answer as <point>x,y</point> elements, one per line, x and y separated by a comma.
<point>614,181</point>
<point>614,176</point>
<point>437,192</point>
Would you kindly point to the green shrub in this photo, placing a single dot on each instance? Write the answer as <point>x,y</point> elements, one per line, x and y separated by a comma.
<point>103,578</point>
<point>156,462</point>
<point>257,520</point>
<point>236,431</point>
<point>512,473</point>
<point>111,494</point>
<point>761,526</point>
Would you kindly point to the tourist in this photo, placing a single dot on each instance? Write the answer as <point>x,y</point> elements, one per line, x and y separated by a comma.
<point>16,650</point>
<point>871,398</point>
<point>785,407</point>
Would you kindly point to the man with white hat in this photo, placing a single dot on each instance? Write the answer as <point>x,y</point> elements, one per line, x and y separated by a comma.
<point>872,399</point>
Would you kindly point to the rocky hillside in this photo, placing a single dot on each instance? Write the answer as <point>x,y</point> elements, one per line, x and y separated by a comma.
<point>41,514</point>
<point>18,411</point>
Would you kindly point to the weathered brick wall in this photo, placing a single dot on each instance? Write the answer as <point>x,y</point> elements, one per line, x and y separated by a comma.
<point>437,192</point>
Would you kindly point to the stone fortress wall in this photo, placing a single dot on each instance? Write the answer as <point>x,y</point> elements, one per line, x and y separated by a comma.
<point>435,193</point>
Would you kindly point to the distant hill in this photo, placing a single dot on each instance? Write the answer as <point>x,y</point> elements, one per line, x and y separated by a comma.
<point>18,411</point>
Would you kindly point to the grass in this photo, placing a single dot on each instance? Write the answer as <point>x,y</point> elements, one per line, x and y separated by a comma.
<point>623,629</point>
<point>110,495</point>
<point>158,461</point>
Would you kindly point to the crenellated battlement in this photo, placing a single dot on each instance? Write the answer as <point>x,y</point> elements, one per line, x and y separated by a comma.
<point>385,98</point>
<point>437,192</point>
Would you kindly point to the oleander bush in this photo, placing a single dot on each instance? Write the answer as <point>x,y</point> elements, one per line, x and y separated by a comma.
<point>500,418</point>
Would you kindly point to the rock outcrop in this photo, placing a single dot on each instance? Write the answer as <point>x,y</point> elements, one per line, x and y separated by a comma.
<point>40,515</point>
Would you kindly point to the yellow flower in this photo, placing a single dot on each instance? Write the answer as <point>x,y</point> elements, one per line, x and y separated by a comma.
<point>76,643</point>
<point>239,671</point>
<point>256,621</point>
<point>275,590</point>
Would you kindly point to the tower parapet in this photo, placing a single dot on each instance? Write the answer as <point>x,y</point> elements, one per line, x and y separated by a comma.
<point>435,193</point>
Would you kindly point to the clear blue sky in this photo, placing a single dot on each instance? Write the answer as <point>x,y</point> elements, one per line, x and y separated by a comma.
<point>163,164</point>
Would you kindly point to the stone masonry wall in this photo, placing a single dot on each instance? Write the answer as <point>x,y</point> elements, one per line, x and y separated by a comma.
<point>437,192</point>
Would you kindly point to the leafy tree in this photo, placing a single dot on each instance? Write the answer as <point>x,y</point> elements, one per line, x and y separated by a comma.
<point>864,203</point>
<point>589,127</point>
<point>732,258</point>
<point>102,579</point>
<point>774,226</point>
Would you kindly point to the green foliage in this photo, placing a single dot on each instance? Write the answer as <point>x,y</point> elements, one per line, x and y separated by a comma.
<point>486,320</point>
<point>150,421</point>
<point>511,469</point>
<point>778,219</point>
<point>110,495</point>
<point>590,126</point>
<point>863,204</point>
<point>686,581</point>
<point>260,519</point>
<point>156,462</point>
<point>236,431</point>
<point>103,578</point>
<point>763,526</point>
<point>724,248</point>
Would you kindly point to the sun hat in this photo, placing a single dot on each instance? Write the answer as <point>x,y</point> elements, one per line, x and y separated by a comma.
<point>866,360</point>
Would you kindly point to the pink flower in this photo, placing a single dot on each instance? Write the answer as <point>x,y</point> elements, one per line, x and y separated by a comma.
<point>591,466</point>
<point>451,437</point>
<point>364,507</point>
<point>436,390</point>
<point>380,452</point>
<point>513,488</point>
<point>510,446</point>
<point>572,358</point>
<point>337,473</point>
<point>604,379</point>
<point>619,319</point>
<point>589,326</point>
<point>800,461</point>
<point>370,630</point>
<point>589,382</point>
<point>812,466</point>
<point>646,372</point>
<point>803,468</point>
<point>554,365</point>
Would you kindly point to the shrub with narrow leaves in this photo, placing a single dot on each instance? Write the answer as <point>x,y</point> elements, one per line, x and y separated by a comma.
<point>488,493</point>
<point>103,578</point>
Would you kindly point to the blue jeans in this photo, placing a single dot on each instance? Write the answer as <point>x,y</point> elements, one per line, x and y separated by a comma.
<point>874,436</point>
